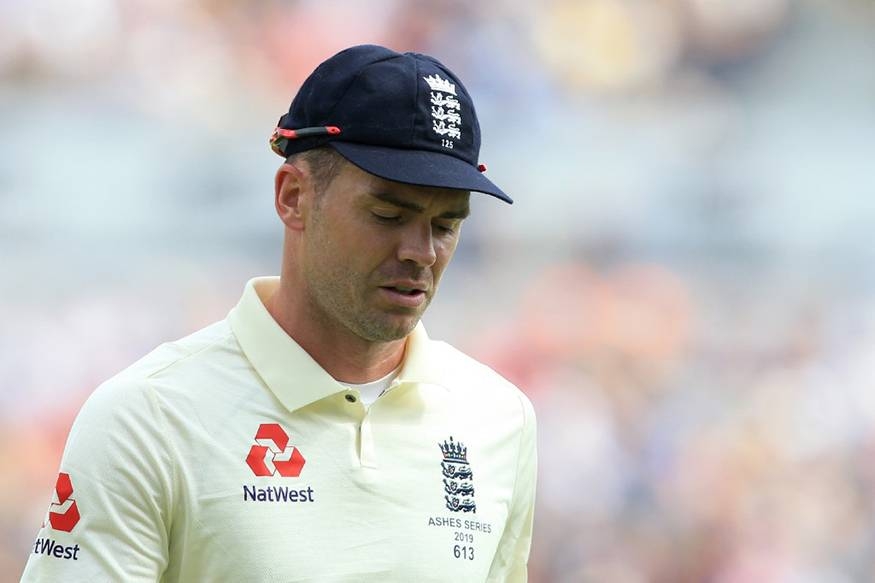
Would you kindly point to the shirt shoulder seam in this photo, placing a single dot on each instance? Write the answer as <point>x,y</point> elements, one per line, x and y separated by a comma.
<point>187,356</point>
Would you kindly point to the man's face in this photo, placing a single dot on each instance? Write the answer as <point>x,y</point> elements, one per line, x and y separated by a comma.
<point>374,251</point>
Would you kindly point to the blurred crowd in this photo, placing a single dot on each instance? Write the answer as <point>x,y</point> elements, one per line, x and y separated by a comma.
<point>683,287</point>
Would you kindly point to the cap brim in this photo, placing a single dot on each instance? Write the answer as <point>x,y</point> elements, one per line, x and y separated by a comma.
<point>418,167</point>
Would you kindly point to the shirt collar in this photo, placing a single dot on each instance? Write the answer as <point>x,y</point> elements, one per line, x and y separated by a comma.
<point>288,370</point>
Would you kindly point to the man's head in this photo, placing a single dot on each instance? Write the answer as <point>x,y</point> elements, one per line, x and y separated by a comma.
<point>381,153</point>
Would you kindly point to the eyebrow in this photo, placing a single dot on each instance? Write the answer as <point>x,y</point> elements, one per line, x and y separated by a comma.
<point>418,208</point>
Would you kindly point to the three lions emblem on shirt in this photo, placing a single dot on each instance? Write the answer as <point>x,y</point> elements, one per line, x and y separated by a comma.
<point>458,477</point>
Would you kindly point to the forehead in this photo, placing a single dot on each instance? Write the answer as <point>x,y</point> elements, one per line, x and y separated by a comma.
<point>369,188</point>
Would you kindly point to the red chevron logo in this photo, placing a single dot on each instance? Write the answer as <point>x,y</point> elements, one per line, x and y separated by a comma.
<point>272,453</point>
<point>64,515</point>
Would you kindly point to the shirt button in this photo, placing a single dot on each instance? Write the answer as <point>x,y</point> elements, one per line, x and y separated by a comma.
<point>350,397</point>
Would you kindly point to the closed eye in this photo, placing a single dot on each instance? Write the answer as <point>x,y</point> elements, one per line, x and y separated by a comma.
<point>386,217</point>
<point>447,227</point>
<point>444,228</point>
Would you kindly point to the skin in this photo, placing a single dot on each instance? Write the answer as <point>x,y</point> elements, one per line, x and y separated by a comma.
<point>345,249</point>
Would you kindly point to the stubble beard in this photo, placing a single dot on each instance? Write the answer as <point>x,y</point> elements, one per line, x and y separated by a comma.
<point>339,296</point>
<point>338,301</point>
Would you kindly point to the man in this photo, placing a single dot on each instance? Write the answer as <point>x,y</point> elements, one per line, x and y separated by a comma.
<point>317,433</point>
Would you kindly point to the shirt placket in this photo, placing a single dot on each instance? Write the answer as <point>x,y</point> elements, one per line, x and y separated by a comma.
<point>366,448</point>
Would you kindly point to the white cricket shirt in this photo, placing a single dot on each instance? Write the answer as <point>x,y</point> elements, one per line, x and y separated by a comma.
<point>231,455</point>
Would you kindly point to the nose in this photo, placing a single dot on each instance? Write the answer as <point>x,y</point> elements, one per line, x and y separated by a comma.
<point>417,245</point>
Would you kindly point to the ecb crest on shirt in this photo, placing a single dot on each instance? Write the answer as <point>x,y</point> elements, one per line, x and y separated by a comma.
<point>458,477</point>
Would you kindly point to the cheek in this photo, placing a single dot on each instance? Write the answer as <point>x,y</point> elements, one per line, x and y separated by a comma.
<point>445,254</point>
<point>360,256</point>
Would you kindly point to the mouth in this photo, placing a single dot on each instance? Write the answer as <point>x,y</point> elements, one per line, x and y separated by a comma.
<point>408,291</point>
<point>404,295</point>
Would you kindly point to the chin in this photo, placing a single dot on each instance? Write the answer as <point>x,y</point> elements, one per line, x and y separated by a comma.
<point>388,330</point>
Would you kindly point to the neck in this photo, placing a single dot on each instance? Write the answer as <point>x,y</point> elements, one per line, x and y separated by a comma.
<point>343,355</point>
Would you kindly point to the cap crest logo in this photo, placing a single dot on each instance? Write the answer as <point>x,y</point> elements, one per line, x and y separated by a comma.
<point>445,110</point>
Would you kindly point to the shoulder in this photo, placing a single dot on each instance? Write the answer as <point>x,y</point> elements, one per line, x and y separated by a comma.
<point>206,345</point>
<point>129,420</point>
<point>471,379</point>
<point>134,392</point>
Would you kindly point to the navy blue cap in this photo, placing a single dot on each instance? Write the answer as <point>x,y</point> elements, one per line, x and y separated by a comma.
<point>400,116</point>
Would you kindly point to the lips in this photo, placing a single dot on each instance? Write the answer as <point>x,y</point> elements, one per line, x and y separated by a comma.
<point>403,290</point>
<point>405,293</point>
<point>406,287</point>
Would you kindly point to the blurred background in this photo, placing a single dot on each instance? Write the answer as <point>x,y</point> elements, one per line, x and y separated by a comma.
<point>684,287</point>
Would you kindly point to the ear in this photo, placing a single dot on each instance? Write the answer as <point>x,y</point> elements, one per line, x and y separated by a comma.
<point>291,195</point>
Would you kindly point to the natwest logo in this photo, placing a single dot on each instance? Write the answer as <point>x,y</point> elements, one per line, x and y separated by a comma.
<point>64,514</point>
<point>273,454</point>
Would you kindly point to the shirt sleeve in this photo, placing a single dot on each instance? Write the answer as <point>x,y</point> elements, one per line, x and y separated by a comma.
<point>109,519</point>
<point>511,559</point>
